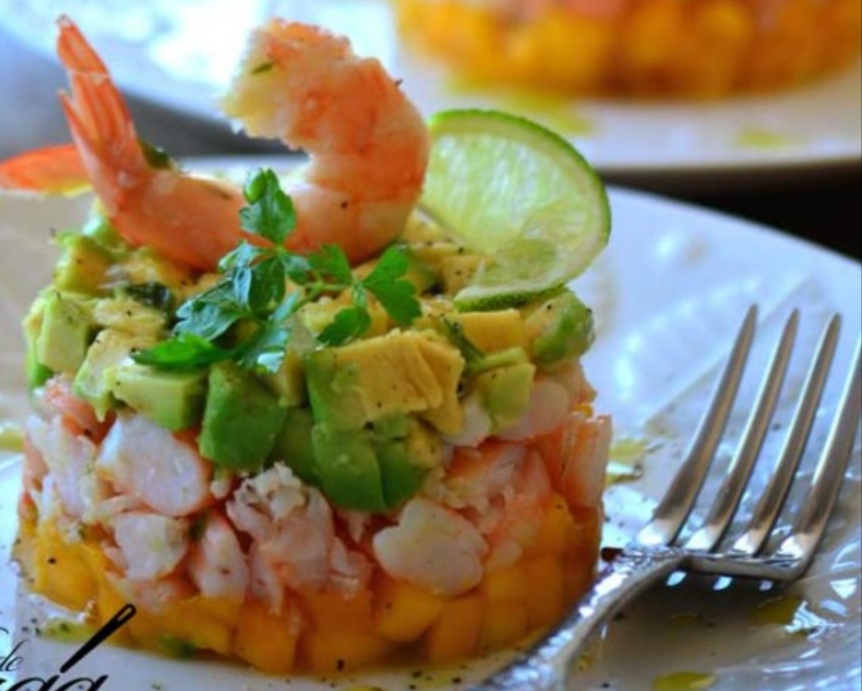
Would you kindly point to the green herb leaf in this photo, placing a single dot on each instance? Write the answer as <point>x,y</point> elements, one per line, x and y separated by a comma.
<point>331,262</point>
<point>156,157</point>
<point>151,294</point>
<point>473,356</point>
<point>397,295</point>
<point>184,352</point>
<point>349,323</point>
<point>270,211</point>
<point>245,254</point>
<point>265,350</point>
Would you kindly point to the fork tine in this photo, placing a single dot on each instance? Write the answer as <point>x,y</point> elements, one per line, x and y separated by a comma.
<point>829,474</point>
<point>739,471</point>
<point>677,503</point>
<point>769,507</point>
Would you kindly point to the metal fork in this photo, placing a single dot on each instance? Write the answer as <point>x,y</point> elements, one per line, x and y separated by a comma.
<point>658,550</point>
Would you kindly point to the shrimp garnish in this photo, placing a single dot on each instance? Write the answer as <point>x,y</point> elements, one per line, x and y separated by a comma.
<point>368,144</point>
<point>52,169</point>
<point>191,220</point>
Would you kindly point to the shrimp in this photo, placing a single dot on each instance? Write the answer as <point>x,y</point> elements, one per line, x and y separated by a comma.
<point>190,220</point>
<point>69,468</point>
<point>217,565</point>
<point>575,455</point>
<point>369,145</point>
<point>145,461</point>
<point>503,489</point>
<point>432,547</point>
<point>150,546</point>
<point>293,540</point>
<point>52,169</point>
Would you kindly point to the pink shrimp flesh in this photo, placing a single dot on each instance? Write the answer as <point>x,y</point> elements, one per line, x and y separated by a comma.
<point>368,143</point>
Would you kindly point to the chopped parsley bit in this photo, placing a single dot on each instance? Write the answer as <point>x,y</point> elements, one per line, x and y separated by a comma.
<point>263,67</point>
<point>253,291</point>
<point>473,355</point>
<point>156,157</point>
<point>151,294</point>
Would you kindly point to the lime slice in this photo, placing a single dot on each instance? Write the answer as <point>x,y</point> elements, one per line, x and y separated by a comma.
<point>510,188</point>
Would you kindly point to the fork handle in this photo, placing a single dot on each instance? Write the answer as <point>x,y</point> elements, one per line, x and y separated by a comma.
<point>546,667</point>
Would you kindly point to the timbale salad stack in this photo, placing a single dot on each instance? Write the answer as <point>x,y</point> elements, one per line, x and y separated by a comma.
<point>640,48</point>
<point>297,456</point>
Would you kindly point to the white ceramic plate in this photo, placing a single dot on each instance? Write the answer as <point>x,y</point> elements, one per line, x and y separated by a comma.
<point>163,51</point>
<point>669,294</point>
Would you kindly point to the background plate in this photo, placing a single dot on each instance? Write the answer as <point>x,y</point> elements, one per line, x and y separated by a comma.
<point>163,52</point>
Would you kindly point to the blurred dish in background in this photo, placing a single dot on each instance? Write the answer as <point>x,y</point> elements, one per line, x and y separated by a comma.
<point>689,48</point>
<point>179,55</point>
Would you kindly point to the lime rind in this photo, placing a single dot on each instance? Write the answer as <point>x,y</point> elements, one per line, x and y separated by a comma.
<point>507,186</point>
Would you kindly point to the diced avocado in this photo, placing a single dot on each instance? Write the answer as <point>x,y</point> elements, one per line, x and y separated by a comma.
<point>378,377</point>
<point>457,270</point>
<point>505,392</point>
<point>82,267</point>
<point>420,274</point>
<point>65,333</point>
<point>378,467</point>
<point>560,327</point>
<point>405,462</point>
<point>447,364</point>
<point>289,381</point>
<point>492,331</point>
<point>94,379</point>
<point>145,266</point>
<point>395,427</point>
<point>348,469</point>
<point>99,230</point>
<point>37,373</point>
<point>242,418</point>
<point>500,358</point>
<point>130,316</point>
<point>173,400</point>
<point>294,446</point>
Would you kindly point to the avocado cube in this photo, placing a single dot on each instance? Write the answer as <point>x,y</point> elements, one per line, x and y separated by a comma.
<point>65,332</point>
<point>289,381</point>
<point>82,267</point>
<point>374,378</point>
<point>405,462</point>
<point>93,381</point>
<point>559,328</point>
<point>37,373</point>
<point>241,419</point>
<point>348,469</point>
<point>294,445</point>
<point>173,400</point>
<point>505,392</point>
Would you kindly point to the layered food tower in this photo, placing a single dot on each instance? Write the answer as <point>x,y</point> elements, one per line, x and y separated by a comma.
<point>641,48</point>
<point>291,443</point>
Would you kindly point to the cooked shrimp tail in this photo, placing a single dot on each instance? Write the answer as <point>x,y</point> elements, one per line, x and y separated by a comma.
<point>52,169</point>
<point>191,220</point>
<point>99,120</point>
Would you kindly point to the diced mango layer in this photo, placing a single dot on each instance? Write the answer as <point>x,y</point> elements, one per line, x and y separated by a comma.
<point>330,632</point>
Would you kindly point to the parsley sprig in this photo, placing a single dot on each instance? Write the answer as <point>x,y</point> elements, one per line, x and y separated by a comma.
<point>247,316</point>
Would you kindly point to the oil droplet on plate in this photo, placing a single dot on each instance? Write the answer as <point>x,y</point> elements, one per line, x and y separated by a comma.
<point>780,611</point>
<point>683,681</point>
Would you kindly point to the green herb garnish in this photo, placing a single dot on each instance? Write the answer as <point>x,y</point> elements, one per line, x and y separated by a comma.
<point>247,316</point>
<point>473,356</point>
<point>151,294</point>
